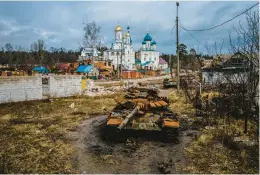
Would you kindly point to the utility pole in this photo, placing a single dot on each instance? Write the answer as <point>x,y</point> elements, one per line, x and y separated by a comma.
<point>170,61</point>
<point>117,53</point>
<point>121,59</point>
<point>177,50</point>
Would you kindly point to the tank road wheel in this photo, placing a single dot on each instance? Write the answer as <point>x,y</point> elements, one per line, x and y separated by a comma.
<point>142,126</point>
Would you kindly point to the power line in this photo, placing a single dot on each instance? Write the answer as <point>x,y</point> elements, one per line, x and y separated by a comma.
<point>193,36</point>
<point>200,30</point>
<point>173,28</point>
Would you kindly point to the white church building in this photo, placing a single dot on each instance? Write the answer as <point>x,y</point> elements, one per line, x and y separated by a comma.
<point>148,55</point>
<point>88,53</point>
<point>122,45</point>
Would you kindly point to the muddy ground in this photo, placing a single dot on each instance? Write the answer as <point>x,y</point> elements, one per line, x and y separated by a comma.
<point>135,153</point>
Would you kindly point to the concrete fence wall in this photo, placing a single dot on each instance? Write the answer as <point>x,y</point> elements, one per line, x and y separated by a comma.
<point>14,89</point>
<point>64,85</point>
<point>133,80</point>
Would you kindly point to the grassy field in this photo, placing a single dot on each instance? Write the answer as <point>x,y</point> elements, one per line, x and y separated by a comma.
<point>34,134</point>
<point>216,150</point>
<point>179,104</point>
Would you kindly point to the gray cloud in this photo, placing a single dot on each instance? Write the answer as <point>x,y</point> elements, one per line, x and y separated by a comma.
<point>60,23</point>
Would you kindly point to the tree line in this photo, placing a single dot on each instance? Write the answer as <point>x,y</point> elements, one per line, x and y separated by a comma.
<point>188,59</point>
<point>37,54</point>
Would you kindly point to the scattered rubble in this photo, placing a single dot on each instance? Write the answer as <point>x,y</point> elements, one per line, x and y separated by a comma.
<point>209,127</point>
<point>245,140</point>
<point>94,90</point>
<point>131,143</point>
<point>107,157</point>
<point>165,167</point>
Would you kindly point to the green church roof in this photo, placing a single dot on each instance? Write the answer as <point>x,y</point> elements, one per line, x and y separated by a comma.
<point>147,37</point>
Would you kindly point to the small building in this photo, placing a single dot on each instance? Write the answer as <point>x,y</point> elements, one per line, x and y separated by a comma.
<point>105,68</point>
<point>88,70</point>
<point>162,64</point>
<point>89,53</point>
<point>104,65</point>
<point>230,69</point>
<point>41,69</point>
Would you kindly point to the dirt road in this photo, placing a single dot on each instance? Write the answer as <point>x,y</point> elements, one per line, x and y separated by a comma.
<point>143,153</point>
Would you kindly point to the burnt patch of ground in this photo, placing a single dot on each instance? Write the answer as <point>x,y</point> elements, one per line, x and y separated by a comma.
<point>128,151</point>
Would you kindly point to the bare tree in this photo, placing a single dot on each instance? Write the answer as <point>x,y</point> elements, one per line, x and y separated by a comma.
<point>241,86</point>
<point>38,48</point>
<point>92,38</point>
<point>248,46</point>
<point>9,49</point>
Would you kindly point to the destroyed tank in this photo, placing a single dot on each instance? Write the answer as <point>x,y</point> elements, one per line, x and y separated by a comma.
<point>167,83</point>
<point>142,109</point>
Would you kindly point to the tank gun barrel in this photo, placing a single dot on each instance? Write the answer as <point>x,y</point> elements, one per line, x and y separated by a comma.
<point>128,117</point>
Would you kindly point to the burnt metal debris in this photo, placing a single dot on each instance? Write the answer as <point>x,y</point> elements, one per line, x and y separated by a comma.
<point>144,110</point>
<point>167,83</point>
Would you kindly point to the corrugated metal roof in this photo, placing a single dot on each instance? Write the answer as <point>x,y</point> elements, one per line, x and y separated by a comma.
<point>41,69</point>
<point>84,68</point>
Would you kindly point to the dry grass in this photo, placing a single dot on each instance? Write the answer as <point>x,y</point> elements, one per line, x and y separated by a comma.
<point>34,134</point>
<point>210,94</point>
<point>179,104</point>
<point>216,151</point>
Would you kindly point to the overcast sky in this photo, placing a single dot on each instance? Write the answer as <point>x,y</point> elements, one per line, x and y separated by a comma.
<point>60,24</point>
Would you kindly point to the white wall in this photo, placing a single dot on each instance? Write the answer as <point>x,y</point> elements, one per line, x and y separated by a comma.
<point>163,66</point>
<point>219,77</point>
<point>14,89</point>
<point>64,85</point>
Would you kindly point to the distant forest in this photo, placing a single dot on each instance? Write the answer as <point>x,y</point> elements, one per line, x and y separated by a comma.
<point>40,55</point>
<point>37,54</point>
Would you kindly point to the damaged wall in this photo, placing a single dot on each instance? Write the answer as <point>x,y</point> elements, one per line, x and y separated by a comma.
<point>64,85</point>
<point>14,89</point>
<point>18,88</point>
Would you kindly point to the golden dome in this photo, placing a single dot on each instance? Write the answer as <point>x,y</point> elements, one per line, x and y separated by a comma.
<point>127,34</point>
<point>118,28</point>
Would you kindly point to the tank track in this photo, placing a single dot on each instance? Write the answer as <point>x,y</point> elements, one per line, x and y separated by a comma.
<point>170,134</point>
